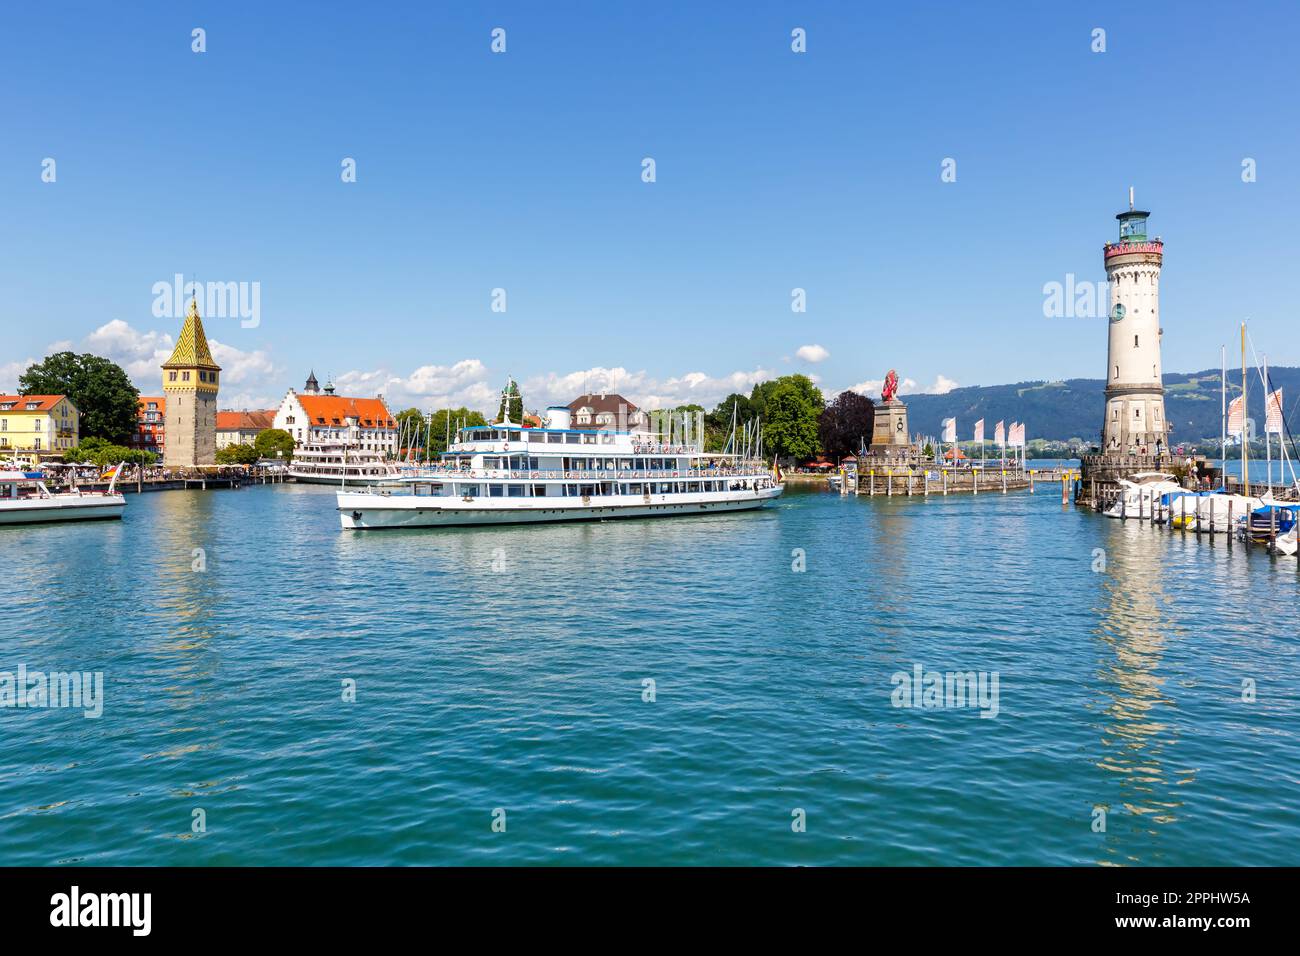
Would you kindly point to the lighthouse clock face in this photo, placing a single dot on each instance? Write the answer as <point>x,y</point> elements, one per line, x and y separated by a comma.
<point>1117,313</point>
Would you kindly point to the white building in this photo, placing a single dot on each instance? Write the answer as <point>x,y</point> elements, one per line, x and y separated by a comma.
<point>323,418</point>
<point>1135,395</point>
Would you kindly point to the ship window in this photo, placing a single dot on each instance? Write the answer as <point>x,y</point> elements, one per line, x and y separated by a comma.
<point>496,491</point>
<point>539,491</point>
<point>516,491</point>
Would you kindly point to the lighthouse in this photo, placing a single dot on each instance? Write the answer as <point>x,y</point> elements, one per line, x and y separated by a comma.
<point>1135,396</point>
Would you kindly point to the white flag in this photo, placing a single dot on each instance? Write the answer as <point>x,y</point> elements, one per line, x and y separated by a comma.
<point>950,429</point>
<point>979,431</point>
<point>1273,418</point>
<point>1000,434</point>
<point>1017,437</point>
<point>1236,415</point>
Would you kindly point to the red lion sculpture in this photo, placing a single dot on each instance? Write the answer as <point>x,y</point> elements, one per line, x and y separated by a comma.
<point>891,386</point>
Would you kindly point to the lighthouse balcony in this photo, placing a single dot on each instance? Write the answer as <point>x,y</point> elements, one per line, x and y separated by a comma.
<point>1130,248</point>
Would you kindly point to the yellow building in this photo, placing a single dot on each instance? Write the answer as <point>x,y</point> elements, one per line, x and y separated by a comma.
<point>190,383</point>
<point>37,426</point>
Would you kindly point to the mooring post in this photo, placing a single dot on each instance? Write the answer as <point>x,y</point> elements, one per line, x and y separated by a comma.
<point>1031,481</point>
<point>975,477</point>
<point>889,482</point>
<point>1004,481</point>
<point>925,483</point>
<point>1230,504</point>
<point>872,492</point>
<point>945,480</point>
<point>1272,530</point>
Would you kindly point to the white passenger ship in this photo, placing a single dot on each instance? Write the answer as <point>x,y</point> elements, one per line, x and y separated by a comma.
<point>338,464</point>
<point>505,474</point>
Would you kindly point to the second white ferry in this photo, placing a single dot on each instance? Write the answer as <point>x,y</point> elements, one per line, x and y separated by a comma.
<point>506,473</point>
<point>340,464</point>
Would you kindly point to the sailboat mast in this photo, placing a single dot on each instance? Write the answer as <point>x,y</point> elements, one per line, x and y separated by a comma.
<point>1223,411</point>
<point>1245,443</point>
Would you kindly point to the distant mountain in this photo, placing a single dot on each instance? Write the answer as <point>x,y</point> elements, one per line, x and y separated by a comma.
<point>1073,408</point>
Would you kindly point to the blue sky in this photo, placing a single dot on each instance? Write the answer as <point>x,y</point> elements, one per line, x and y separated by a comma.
<point>522,171</point>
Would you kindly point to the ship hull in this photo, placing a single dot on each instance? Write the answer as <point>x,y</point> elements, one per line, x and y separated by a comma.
<point>43,511</point>
<point>368,512</point>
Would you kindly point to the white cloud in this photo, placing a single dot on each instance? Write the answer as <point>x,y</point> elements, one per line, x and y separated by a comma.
<point>428,387</point>
<point>142,352</point>
<point>10,372</point>
<point>642,389</point>
<point>942,385</point>
<point>813,353</point>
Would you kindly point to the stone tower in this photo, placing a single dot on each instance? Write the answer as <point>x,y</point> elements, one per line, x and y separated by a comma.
<point>190,381</point>
<point>1135,396</point>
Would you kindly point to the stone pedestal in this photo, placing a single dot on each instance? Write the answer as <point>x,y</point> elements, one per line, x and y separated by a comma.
<point>889,435</point>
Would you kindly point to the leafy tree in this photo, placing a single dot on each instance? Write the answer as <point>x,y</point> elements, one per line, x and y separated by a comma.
<point>512,404</point>
<point>269,441</point>
<point>238,454</point>
<point>105,398</point>
<point>448,420</point>
<point>102,454</point>
<point>844,423</point>
<point>791,409</point>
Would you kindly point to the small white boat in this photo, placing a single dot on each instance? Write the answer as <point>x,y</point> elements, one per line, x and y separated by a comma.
<point>24,499</point>
<point>1140,495</point>
<point>1286,543</point>
<point>1218,511</point>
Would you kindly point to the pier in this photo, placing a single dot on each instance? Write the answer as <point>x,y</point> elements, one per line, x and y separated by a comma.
<point>919,479</point>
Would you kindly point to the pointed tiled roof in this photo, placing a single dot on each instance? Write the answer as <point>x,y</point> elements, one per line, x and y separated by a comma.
<point>192,347</point>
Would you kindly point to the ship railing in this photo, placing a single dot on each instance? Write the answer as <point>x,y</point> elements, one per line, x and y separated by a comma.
<point>491,474</point>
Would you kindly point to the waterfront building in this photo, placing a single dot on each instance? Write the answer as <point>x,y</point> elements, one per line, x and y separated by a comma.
<point>607,410</point>
<point>150,429</point>
<point>242,428</point>
<point>190,384</point>
<point>323,418</point>
<point>37,427</point>
<point>1135,421</point>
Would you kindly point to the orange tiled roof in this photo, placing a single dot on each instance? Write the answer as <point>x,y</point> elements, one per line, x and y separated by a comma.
<point>158,399</point>
<point>44,402</point>
<point>243,421</point>
<point>335,409</point>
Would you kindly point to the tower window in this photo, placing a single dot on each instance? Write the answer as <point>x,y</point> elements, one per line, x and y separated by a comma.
<point>1135,341</point>
<point>1117,371</point>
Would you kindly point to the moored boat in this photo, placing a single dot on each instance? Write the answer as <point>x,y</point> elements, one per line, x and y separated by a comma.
<point>338,464</point>
<point>25,499</point>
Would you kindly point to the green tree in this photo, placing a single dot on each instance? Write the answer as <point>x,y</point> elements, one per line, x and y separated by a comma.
<point>512,404</point>
<point>105,398</point>
<point>791,407</point>
<point>449,419</point>
<point>102,454</point>
<point>237,454</point>
<point>270,441</point>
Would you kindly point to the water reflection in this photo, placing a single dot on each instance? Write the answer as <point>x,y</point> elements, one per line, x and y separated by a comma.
<point>1134,629</point>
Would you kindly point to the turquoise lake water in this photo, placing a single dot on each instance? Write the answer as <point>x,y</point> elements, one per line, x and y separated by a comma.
<point>503,669</point>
